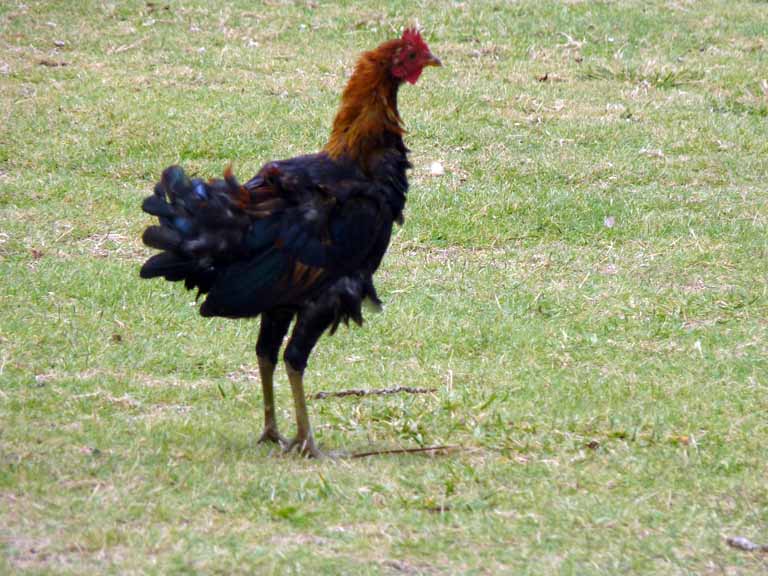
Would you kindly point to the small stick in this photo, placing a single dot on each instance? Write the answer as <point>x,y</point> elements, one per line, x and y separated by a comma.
<point>447,448</point>
<point>124,47</point>
<point>741,543</point>
<point>379,392</point>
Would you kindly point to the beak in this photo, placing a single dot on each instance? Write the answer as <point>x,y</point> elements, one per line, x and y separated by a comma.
<point>433,60</point>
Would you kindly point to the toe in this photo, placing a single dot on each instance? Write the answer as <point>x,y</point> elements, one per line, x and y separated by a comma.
<point>306,447</point>
<point>271,435</point>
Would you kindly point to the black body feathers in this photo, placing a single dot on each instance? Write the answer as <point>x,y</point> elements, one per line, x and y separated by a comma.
<point>303,231</point>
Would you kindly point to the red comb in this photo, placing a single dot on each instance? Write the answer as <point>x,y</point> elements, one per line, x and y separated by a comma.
<point>413,36</point>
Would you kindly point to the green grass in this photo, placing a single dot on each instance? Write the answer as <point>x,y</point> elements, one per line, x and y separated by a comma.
<point>585,288</point>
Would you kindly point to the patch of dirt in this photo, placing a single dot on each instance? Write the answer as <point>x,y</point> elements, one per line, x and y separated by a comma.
<point>145,379</point>
<point>289,540</point>
<point>113,245</point>
<point>452,254</point>
<point>26,548</point>
<point>244,374</point>
<point>403,567</point>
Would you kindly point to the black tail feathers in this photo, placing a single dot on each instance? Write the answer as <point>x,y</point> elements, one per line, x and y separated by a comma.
<point>168,265</point>
<point>162,238</point>
<point>200,224</point>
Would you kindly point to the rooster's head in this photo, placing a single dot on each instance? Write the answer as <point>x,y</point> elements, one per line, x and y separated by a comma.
<point>411,56</point>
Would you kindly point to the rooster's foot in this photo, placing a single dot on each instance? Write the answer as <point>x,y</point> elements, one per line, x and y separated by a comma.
<point>305,446</point>
<point>272,436</point>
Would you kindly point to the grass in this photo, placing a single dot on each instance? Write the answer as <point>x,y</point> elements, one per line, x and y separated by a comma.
<point>585,287</point>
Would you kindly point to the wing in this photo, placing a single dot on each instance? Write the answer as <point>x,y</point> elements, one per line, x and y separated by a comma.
<point>312,222</point>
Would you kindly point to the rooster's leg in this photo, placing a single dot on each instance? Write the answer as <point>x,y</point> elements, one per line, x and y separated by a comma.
<point>274,326</point>
<point>309,327</point>
<point>270,434</point>
<point>304,440</point>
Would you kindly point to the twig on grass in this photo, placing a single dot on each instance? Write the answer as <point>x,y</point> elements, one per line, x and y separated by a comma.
<point>378,392</point>
<point>443,448</point>
<point>741,543</point>
<point>124,47</point>
<point>52,63</point>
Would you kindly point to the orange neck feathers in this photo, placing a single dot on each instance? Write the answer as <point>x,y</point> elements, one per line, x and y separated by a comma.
<point>368,108</point>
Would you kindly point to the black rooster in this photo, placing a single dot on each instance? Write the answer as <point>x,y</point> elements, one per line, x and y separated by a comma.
<point>303,238</point>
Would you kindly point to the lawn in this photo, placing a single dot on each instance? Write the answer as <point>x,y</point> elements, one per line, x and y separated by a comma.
<point>584,291</point>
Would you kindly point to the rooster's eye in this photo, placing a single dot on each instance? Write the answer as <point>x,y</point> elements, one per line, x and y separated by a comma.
<point>412,55</point>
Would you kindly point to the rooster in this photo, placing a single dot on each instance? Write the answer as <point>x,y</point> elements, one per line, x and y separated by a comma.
<point>302,239</point>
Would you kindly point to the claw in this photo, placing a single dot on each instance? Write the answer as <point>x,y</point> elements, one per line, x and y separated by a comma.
<point>305,446</point>
<point>271,435</point>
